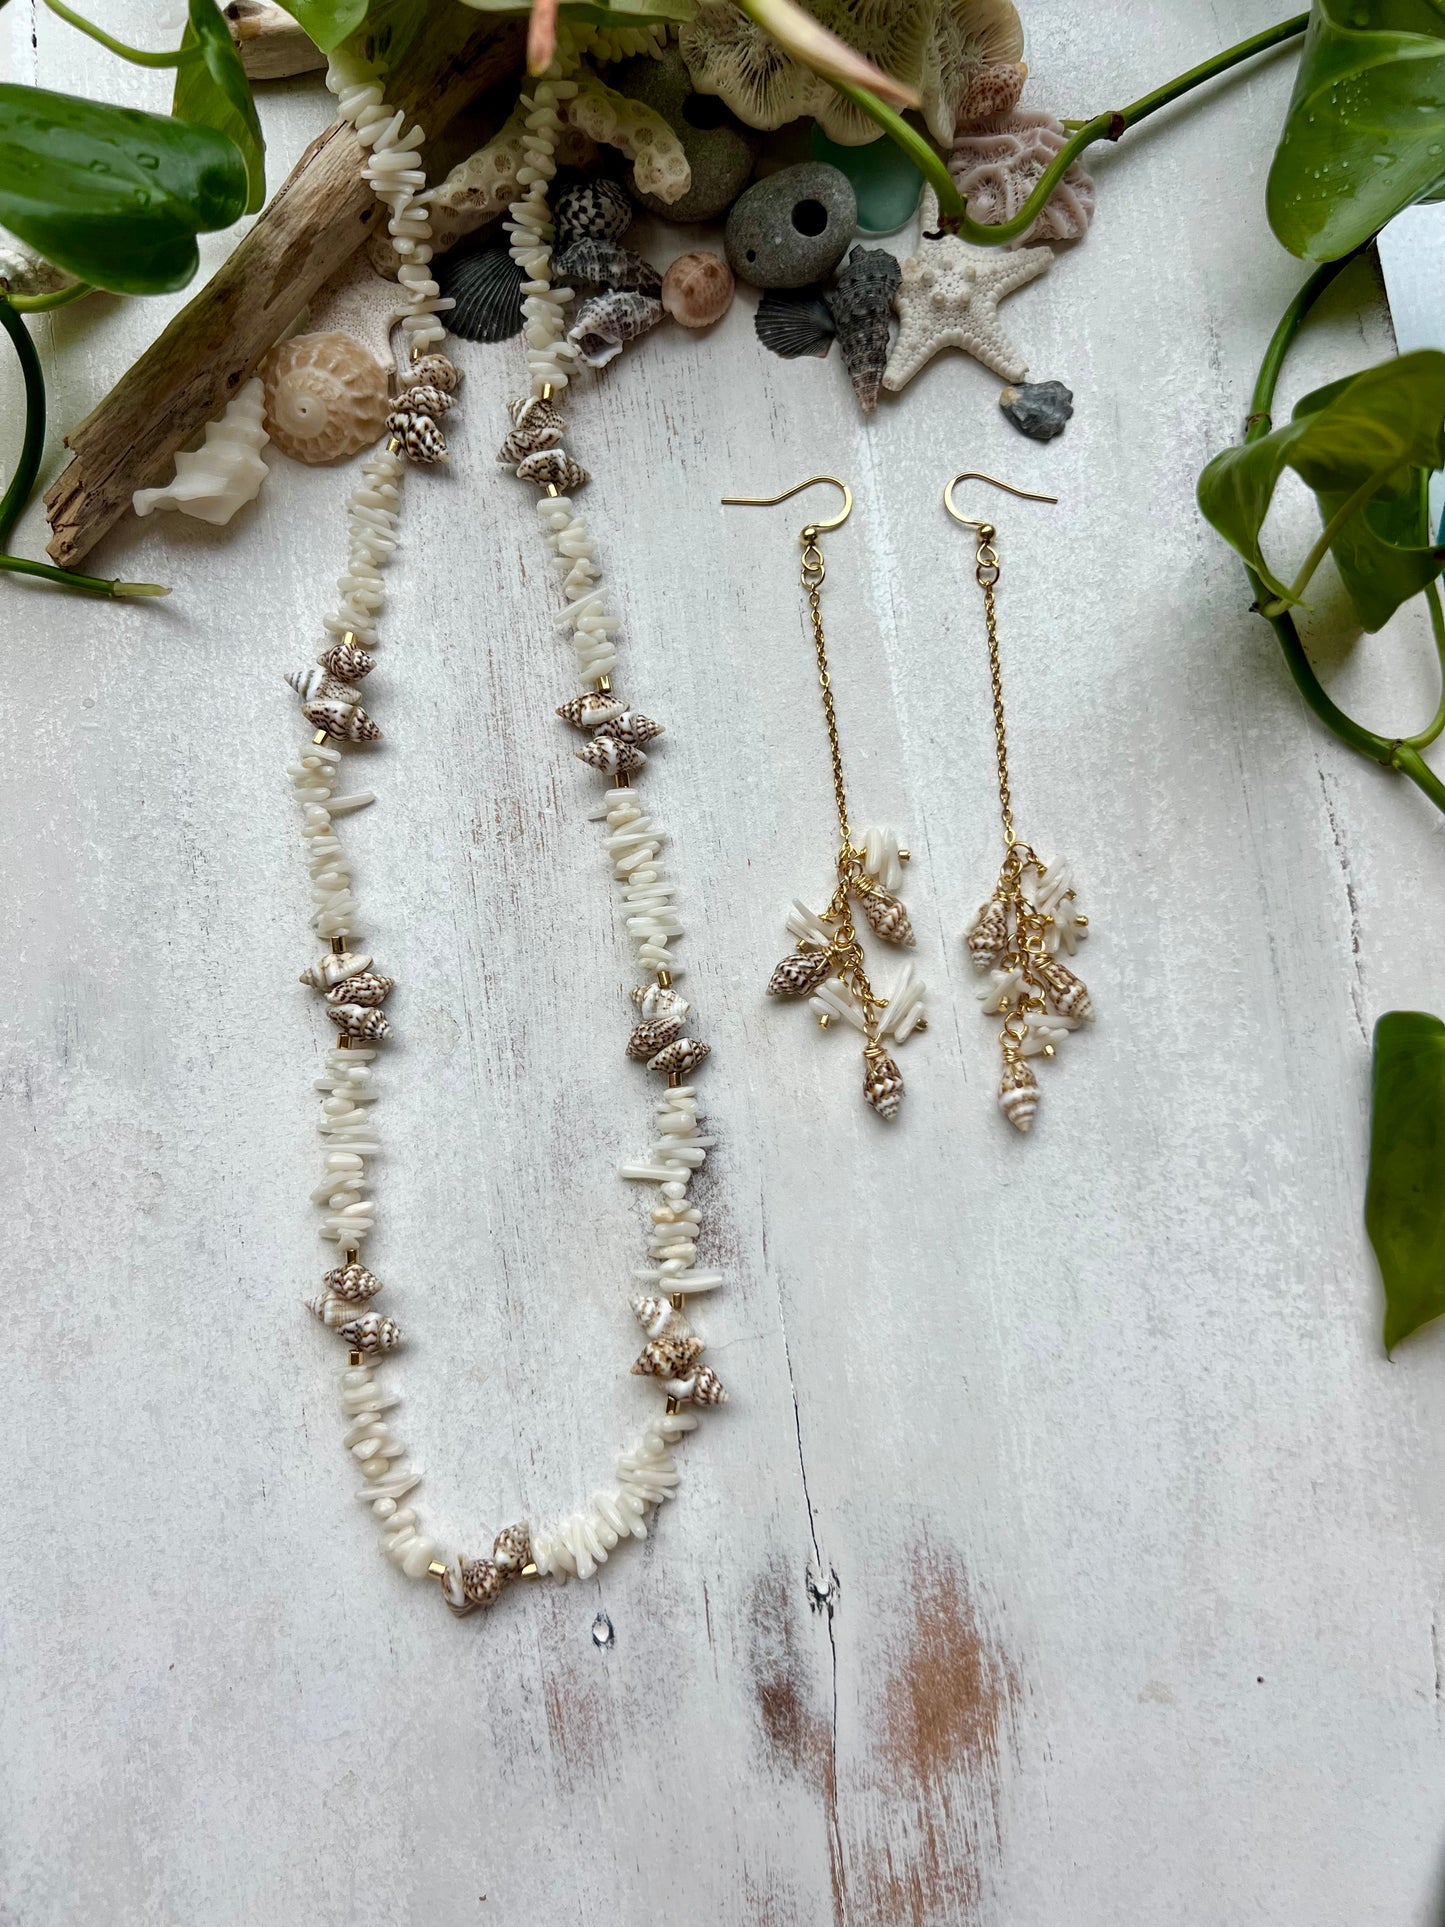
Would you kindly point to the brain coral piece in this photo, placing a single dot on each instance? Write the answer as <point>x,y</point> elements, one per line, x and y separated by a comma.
<point>937,46</point>
<point>326,397</point>
<point>659,166</point>
<point>998,162</point>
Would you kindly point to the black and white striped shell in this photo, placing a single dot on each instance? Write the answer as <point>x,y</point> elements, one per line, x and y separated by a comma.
<point>367,987</point>
<point>348,722</point>
<point>593,210</point>
<point>1018,1095</point>
<point>316,684</point>
<point>359,1020</point>
<point>486,286</point>
<point>651,1037</point>
<point>887,916</point>
<point>333,967</point>
<point>793,322</point>
<point>658,1000</point>
<point>371,1333</point>
<point>1069,993</point>
<point>424,399</point>
<point>352,1282</point>
<point>418,435</point>
<point>861,304</point>
<point>591,710</point>
<point>988,941</point>
<point>883,1084</point>
<point>604,325</point>
<point>603,264</point>
<point>632,727</point>
<point>347,661</point>
<point>433,371</point>
<point>613,758</point>
<point>800,972</point>
<point>676,1059</point>
<point>553,468</point>
<point>536,424</point>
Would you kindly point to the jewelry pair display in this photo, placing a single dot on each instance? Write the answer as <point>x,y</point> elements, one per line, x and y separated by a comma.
<point>1021,934</point>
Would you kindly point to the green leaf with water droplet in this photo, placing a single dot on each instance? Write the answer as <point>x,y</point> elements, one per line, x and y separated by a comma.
<point>1365,446</point>
<point>114,195</point>
<point>212,91</point>
<point>1365,132</point>
<point>1405,1197</point>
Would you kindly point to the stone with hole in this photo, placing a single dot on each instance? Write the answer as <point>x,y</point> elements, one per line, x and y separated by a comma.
<point>792,228</point>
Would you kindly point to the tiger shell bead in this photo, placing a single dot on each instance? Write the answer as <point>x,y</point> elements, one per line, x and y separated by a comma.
<point>988,940</point>
<point>1069,993</point>
<point>352,1282</point>
<point>366,987</point>
<point>605,753</point>
<point>371,1333</point>
<point>679,1057</point>
<point>1018,1095</point>
<point>536,425</point>
<point>355,1020</point>
<point>800,972</point>
<point>426,400</point>
<point>347,721</point>
<point>333,968</point>
<point>317,683</point>
<point>591,710</point>
<point>629,727</point>
<point>652,1036</point>
<point>553,468</point>
<point>419,435</point>
<point>883,1085</point>
<point>347,662</point>
<point>434,371</point>
<point>888,917</point>
<point>658,1000</point>
<point>512,1548</point>
<point>703,1387</point>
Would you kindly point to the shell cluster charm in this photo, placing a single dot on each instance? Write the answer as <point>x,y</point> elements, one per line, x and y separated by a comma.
<point>1018,942</point>
<point>828,967</point>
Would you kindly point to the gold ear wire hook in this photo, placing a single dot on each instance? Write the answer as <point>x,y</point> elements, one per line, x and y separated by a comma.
<point>771,501</point>
<point>977,475</point>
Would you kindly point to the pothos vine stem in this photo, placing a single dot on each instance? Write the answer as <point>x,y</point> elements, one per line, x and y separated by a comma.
<point>1397,753</point>
<point>1108,126</point>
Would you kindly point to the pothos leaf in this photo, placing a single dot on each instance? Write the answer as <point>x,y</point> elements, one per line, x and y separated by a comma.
<point>1364,135</point>
<point>328,22</point>
<point>1363,445</point>
<point>212,91</point>
<point>114,195</point>
<point>1405,1197</point>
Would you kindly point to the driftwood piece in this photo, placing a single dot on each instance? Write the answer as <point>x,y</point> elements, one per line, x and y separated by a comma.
<point>310,228</point>
<point>271,44</point>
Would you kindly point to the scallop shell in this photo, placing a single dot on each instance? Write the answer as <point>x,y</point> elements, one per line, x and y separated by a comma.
<point>697,289</point>
<point>684,1054</point>
<point>325,397</point>
<point>593,210</point>
<point>793,323</point>
<point>605,265</point>
<point>1018,1095</point>
<point>606,323</point>
<point>486,286</point>
<point>553,468</point>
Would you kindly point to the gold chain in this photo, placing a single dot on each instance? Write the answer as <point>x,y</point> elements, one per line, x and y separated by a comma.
<point>986,572</point>
<point>814,570</point>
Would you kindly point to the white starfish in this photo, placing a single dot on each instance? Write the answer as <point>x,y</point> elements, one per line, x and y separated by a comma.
<point>949,298</point>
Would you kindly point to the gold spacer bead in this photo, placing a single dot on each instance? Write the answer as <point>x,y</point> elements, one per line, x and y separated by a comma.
<point>1082,922</point>
<point>338,946</point>
<point>676,1301</point>
<point>672,1405</point>
<point>393,445</point>
<point>674,1080</point>
<point>437,1570</point>
<point>922,1024</point>
<point>552,489</point>
<point>604,685</point>
<point>624,781</point>
<point>664,980</point>
<point>319,738</point>
<point>529,1572</point>
<point>546,391</point>
<point>824,1020</point>
<point>348,637</point>
<point>356,1358</point>
<point>905,856</point>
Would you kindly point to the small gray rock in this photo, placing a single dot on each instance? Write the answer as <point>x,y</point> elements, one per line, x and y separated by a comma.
<point>1038,409</point>
<point>717,148</point>
<point>793,228</point>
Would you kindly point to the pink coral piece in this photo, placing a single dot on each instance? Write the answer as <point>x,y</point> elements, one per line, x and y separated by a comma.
<point>998,162</point>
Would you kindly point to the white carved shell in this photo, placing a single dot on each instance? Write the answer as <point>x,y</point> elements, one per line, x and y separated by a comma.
<point>224,473</point>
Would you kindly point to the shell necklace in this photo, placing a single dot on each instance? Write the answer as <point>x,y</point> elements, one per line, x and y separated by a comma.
<point>354,990</point>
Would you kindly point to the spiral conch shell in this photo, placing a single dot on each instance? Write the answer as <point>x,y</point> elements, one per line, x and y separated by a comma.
<point>211,482</point>
<point>326,397</point>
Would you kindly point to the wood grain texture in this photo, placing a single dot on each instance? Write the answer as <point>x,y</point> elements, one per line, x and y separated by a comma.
<point>1069,1554</point>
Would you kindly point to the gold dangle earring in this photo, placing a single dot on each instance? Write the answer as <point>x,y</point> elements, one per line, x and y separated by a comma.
<point>828,965</point>
<point>1031,921</point>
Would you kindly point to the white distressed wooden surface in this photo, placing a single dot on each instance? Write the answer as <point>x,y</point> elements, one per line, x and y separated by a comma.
<point>1069,1554</point>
